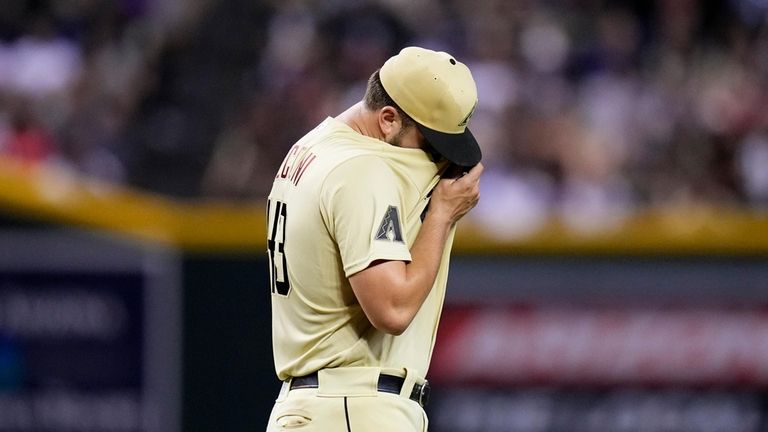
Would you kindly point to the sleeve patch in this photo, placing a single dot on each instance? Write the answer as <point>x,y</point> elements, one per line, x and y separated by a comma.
<point>389,228</point>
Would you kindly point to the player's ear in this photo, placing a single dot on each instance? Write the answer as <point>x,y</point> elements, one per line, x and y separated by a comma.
<point>389,121</point>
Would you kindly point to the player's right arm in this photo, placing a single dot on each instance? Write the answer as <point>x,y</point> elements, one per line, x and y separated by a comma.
<point>391,292</point>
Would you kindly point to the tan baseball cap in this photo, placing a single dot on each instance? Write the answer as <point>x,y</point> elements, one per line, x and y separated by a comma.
<point>439,93</point>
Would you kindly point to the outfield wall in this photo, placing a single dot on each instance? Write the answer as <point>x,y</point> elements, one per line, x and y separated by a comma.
<point>659,325</point>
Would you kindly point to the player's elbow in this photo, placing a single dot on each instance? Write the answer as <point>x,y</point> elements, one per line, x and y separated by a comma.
<point>393,322</point>
<point>394,329</point>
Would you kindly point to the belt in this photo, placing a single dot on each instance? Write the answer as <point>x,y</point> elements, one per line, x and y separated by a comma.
<point>387,384</point>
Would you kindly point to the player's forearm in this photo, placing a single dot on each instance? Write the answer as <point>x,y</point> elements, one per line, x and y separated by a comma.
<point>392,292</point>
<point>420,273</point>
<point>426,255</point>
<point>451,200</point>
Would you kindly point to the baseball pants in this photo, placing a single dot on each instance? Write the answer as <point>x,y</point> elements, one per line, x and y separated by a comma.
<point>349,400</point>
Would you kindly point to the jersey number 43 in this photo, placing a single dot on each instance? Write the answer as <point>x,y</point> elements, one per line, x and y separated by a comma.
<point>278,266</point>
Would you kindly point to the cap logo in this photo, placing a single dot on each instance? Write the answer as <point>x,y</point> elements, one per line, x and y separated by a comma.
<point>466,119</point>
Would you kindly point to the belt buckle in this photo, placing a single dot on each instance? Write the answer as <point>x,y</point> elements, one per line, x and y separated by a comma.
<point>424,391</point>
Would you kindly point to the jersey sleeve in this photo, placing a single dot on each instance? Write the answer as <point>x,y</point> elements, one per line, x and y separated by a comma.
<point>362,207</point>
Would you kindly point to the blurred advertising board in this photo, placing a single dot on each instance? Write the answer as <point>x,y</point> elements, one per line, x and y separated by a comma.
<point>89,334</point>
<point>529,368</point>
<point>547,409</point>
<point>603,346</point>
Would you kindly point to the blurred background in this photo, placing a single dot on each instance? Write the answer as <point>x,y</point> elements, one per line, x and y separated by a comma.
<point>614,276</point>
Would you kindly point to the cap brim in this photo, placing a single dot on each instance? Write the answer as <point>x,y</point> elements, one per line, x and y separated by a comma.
<point>461,149</point>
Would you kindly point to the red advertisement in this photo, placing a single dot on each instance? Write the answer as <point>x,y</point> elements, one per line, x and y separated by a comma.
<point>599,346</point>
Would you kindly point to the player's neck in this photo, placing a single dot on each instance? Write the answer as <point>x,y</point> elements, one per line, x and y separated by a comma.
<point>361,120</point>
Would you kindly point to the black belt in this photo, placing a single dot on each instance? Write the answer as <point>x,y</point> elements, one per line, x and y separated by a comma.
<point>387,384</point>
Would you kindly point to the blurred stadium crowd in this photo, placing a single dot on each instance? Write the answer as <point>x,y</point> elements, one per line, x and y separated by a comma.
<point>588,108</point>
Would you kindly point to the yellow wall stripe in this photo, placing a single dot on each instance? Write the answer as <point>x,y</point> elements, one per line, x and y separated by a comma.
<point>59,196</point>
<point>670,231</point>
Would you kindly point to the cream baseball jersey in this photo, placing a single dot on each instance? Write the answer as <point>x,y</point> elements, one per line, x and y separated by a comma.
<point>340,201</point>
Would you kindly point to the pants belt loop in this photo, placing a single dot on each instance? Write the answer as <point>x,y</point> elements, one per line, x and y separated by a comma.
<point>284,389</point>
<point>411,378</point>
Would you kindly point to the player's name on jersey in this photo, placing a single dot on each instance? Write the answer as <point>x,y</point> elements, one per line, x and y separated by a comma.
<point>295,163</point>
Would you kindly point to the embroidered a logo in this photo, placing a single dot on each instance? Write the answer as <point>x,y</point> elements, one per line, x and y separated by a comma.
<point>389,228</point>
<point>466,119</point>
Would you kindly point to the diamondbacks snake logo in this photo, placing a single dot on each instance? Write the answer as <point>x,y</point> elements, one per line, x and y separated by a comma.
<point>389,228</point>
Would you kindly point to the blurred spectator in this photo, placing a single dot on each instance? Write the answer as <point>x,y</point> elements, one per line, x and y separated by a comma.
<point>241,166</point>
<point>27,140</point>
<point>753,165</point>
<point>40,62</point>
<point>588,109</point>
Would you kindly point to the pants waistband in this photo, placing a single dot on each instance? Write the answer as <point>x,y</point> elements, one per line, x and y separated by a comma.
<point>386,383</point>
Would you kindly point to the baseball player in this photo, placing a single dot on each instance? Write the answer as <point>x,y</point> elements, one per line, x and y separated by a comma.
<point>361,219</point>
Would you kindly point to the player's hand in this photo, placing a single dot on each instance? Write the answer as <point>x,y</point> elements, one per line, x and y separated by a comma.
<point>452,198</point>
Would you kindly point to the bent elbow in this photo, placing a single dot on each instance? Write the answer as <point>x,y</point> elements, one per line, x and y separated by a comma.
<point>394,330</point>
<point>392,323</point>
